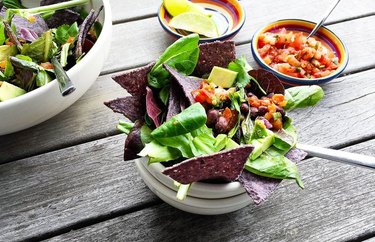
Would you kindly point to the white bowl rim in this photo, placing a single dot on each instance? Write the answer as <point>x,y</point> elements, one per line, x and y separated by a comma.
<point>198,189</point>
<point>107,22</point>
<point>192,204</point>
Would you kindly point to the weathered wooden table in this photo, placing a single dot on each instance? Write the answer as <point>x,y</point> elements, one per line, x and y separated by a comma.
<point>65,179</point>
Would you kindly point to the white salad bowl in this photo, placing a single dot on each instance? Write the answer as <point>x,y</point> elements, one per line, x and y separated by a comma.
<point>45,102</point>
<point>197,189</point>
<point>203,206</point>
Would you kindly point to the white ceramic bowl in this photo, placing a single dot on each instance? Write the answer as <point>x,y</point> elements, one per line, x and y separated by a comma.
<point>197,189</point>
<point>191,204</point>
<point>45,102</point>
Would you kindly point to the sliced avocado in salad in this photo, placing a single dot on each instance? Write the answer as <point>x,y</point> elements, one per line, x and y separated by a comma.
<point>9,91</point>
<point>261,139</point>
<point>222,77</point>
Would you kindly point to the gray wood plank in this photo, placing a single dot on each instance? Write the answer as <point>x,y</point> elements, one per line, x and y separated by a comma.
<point>345,105</point>
<point>148,40</point>
<point>87,119</point>
<point>124,11</point>
<point>336,205</point>
<point>52,191</point>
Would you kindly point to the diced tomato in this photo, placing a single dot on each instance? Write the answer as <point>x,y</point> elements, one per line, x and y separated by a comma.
<point>292,54</point>
<point>3,64</point>
<point>227,114</point>
<point>268,116</point>
<point>46,65</point>
<point>277,124</point>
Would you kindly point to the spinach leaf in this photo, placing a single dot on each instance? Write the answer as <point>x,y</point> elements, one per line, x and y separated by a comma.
<point>236,99</point>
<point>159,153</point>
<point>180,142</point>
<point>6,51</point>
<point>12,4</point>
<point>286,138</point>
<point>164,94</point>
<point>66,32</point>
<point>188,120</point>
<point>2,33</point>
<point>42,78</point>
<point>40,49</point>
<point>125,126</point>
<point>182,55</point>
<point>303,96</point>
<point>272,163</point>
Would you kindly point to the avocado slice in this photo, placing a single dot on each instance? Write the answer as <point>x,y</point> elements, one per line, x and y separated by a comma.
<point>222,77</point>
<point>261,139</point>
<point>8,91</point>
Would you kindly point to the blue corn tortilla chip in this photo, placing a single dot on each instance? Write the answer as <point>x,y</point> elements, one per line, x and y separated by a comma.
<point>260,188</point>
<point>49,2</point>
<point>268,81</point>
<point>134,81</point>
<point>174,102</point>
<point>185,83</point>
<point>132,107</point>
<point>60,17</point>
<point>225,165</point>
<point>133,142</point>
<point>38,26</point>
<point>218,53</point>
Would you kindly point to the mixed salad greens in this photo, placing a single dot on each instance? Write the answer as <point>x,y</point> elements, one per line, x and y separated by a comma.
<point>220,112</point>
<point>39,44</point>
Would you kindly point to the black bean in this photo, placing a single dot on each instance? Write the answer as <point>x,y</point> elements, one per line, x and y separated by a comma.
<point>221,125</point>
<point>212,116</point>
<point>253,112</point>
<point>280,110</point>
<point>244,108</point>
<point>249,94</point>
<point>270,95</point>
<point>262,110</point>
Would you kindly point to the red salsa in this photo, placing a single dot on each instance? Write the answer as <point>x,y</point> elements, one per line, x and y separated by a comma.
<point>291,53</point>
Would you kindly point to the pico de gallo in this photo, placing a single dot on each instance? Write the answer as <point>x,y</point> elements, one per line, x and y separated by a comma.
<point>291,53</point>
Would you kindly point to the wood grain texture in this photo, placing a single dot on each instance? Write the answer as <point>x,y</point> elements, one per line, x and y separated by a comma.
<point>336,205</point>
<point>124,11</point>
<point>52,191</point>
<point>148,40</point>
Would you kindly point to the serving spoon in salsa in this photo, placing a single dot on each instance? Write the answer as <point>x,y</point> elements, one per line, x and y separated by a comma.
<point>323,19</point>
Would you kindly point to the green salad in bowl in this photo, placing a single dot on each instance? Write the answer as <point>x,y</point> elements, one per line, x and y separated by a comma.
<point>38,44</point>
<point>204,116</point>
<point>51,52</point>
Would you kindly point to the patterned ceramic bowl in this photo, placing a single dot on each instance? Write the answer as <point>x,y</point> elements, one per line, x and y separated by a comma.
<point>324,34</point>
<point>228,15</point>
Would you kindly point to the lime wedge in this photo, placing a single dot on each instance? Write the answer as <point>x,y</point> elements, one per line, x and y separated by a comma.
<point>196,23</point>
<point>177,7</point>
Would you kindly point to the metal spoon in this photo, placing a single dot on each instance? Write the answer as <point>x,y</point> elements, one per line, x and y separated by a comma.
<point>65,84</point>
<point>340,156</point>
<point>323,19</point>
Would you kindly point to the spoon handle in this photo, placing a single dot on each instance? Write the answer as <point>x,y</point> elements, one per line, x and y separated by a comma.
<point>338,155</point>
<point>65,84</point>
<point>317,26</point>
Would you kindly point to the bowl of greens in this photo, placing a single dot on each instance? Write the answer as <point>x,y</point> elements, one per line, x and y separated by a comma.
<point>51,52</point>
<point>210,129</point>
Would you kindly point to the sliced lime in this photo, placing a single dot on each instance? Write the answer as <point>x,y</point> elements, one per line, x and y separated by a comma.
<point>196,23</point>
<point>177,7</point>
